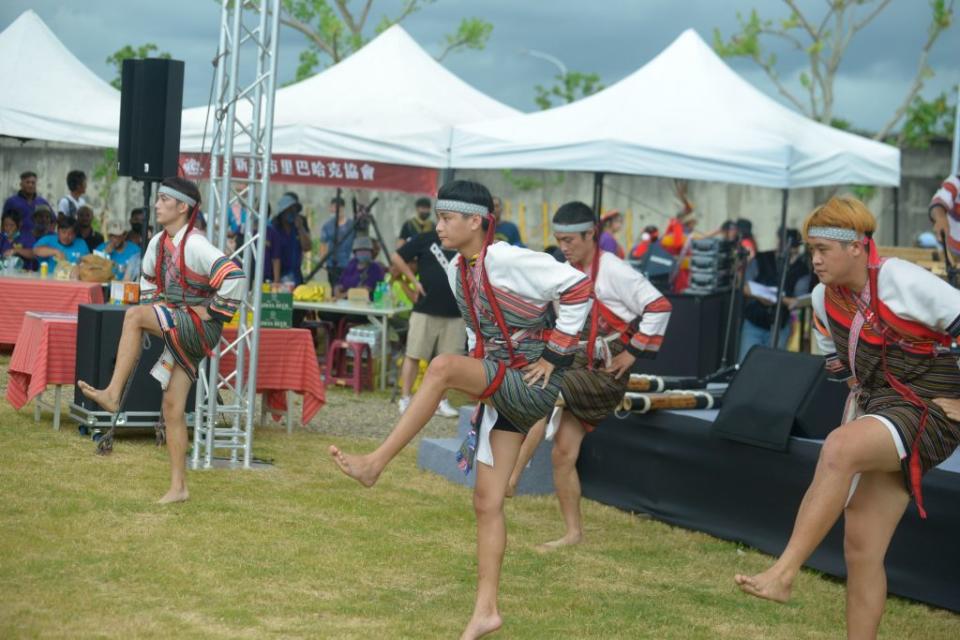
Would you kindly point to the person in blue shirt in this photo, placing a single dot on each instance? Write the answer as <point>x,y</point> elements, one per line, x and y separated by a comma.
<point>63,246</point>
<point>342,249</point>
<point>506,230</point>
<point>120,251</point>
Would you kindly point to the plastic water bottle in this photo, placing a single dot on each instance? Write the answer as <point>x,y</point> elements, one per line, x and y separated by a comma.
<point>378,295</point>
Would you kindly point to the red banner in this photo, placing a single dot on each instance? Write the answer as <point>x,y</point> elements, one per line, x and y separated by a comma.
<point>330,172</point>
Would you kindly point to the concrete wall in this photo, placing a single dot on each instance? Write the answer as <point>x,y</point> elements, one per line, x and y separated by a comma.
<point>646,200</point>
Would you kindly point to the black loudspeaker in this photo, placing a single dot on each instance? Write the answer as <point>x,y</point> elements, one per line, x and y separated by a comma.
<point>98,333</point>
<point>778,393</point>
<point>151,103</point>
<point>822,409</point>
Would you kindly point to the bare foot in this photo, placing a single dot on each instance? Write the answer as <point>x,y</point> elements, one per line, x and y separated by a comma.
<point>767,585</point>
<point>108,401</point>
<point>360,468</point>
<point>481,625</point>
<point>566,541</point>
<point>175,495</point>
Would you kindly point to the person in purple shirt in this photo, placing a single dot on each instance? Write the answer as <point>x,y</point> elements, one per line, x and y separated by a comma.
<point>611,221</point>
<point>361,271</point>
<point>25,200</point>
<point>14,242</point>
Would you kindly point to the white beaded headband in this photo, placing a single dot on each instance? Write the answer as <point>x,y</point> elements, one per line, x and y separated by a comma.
<point>177,195</point>
<point>459,206</point>
<point>572,227</point>
<point>839,234</point>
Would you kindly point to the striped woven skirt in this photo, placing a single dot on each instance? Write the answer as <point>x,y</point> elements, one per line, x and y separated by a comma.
<point>592,395</point>
<point>928,377</point>
<point>520,404</point>
<point>182,338</point>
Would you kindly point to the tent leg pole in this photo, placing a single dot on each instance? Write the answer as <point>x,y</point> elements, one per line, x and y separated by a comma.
<point>597,192</point>
<point>896,216</point>
<point>784,265</point>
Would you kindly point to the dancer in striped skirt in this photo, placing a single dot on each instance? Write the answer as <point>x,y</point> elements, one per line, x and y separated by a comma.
<point>628,321</point>
<point>506,295</point>
<point>887,326</point>
<point>188,289</point>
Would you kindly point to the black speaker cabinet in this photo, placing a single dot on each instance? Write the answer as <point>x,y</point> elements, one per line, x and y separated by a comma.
<point>98,334</point>
<point>776,394</point>
<point>151,102</point>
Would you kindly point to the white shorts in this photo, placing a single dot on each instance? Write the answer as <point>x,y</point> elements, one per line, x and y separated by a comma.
<point>897,441</point>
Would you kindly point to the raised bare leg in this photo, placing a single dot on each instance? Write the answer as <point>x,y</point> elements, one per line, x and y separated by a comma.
<point>869,522</point>
<point>135,321</point>
<point>445,372</point>
<point>488,498</point>
<point>174,403</point>
<point>857,447</point>
<point>530,443</point>
<point>566,481</point>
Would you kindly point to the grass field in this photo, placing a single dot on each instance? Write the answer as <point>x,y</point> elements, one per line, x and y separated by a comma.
<point>297,551</point>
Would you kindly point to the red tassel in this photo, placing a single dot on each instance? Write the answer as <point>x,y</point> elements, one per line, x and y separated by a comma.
<point>873,270</point>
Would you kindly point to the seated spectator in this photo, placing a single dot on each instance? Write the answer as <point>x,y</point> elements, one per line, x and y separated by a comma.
<point>85,228</point>
<point>506,231</point>
<point>71,203</point>
<point>361,271</point>
<point>43,223</point>
<point>63,246</point>
<point>14,242</point>
<point>26,200</point>
<point>124,254</point>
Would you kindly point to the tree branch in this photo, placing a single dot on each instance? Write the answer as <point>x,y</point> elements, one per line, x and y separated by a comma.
<point>346,16</point>
<point>780,86</point>
<point>917,84</point>
<point>873,14</point>
<point>803,21</point>
<point>365,14</point>
<point>306,30</point>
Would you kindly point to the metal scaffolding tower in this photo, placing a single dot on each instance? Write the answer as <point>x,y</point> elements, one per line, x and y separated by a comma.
<point>239,175</point>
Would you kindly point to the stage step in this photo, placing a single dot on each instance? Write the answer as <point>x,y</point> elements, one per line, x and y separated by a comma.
<point>439,455</point>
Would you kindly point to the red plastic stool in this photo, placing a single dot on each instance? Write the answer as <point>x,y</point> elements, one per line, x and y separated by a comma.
<point>339,371</point>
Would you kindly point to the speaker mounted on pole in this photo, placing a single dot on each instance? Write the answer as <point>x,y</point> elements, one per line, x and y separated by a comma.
<point>151,103</point>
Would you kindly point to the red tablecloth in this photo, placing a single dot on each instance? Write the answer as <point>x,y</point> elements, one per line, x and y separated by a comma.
<point>19,295</point>
<point>46,353</point>
<point>287,361</point>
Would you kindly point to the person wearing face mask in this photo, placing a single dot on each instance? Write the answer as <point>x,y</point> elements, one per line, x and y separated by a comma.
<point>361,271</point>
<point>288,242</point>
<point>420,223</point>
<point>14,242</point>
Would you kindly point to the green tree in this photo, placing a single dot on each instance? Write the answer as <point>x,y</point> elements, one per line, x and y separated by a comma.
<point>928,119</point>
<point>126,52</point>
<point>334,29</point>
<point>567,88</point>
<point>824,40</point>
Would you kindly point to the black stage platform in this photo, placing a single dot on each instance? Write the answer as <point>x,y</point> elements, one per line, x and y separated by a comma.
<point>667,464</point>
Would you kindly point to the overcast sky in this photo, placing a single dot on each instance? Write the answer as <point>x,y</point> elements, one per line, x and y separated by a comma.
<point>609,37</point>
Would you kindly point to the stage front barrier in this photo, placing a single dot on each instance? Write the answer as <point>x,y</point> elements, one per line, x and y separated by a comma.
<point>669,464</point>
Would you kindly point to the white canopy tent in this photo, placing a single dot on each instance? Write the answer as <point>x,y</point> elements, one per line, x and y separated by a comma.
<point>685,114</point>
<point>389,102</point>
<point>50,94</point>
